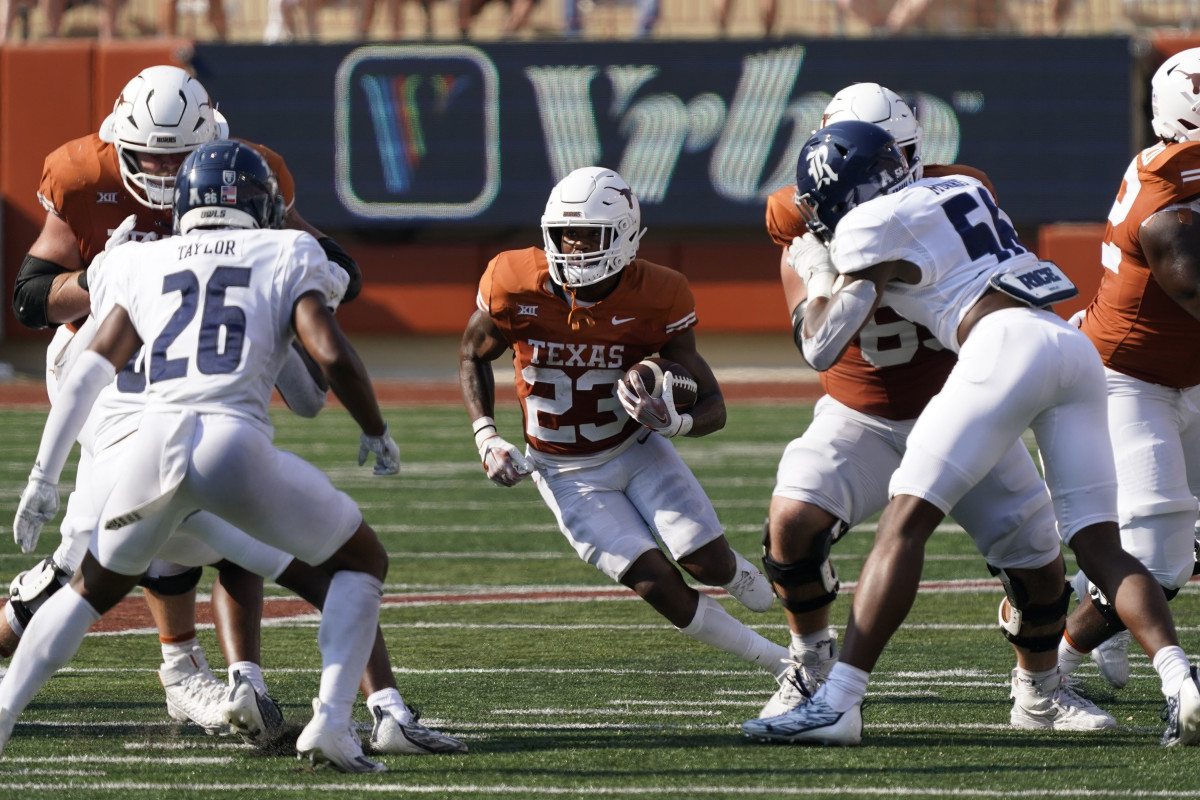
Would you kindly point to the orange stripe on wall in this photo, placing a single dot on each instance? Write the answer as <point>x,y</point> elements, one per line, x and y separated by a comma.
<point>1075,247</point>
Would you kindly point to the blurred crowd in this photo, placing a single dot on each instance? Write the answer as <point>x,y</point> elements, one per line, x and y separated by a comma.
<point>282,21</point>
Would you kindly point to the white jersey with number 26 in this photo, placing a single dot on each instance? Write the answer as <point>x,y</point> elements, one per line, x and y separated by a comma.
<point>214,310</point>
<point>949,227</point>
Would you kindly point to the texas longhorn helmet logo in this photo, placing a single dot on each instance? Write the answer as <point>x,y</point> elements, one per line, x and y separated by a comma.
<point>1194,77</point>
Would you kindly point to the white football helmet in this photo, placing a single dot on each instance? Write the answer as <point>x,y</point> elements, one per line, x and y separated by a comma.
<point>1175,98</point>
<point>592,197</point>
<point>871,102</point>
<point>163,110</point>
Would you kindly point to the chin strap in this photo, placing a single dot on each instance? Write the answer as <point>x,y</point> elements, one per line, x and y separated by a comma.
<point>584,317</point>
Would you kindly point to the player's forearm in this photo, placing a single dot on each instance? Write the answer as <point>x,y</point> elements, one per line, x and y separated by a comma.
<point>477,382</point>
<point>350,383</point>
<point>67,301</point>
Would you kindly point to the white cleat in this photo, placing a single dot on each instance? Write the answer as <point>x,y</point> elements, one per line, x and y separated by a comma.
<point>1182,714</point>
<point>1051,704</point>
<point>814,722</point>
<point>257,718</point>
<point>804,676</point>
<point>194,694</point>
<point>338,747</point>
<point>750,587</point>
<point>1112,657</point>
<point>390,735</point>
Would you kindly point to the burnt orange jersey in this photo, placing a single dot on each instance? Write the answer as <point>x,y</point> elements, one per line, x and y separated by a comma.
<point>893,366</point>
<point>81,182</point>
<point>566,379</point>
<point>1138,329</point>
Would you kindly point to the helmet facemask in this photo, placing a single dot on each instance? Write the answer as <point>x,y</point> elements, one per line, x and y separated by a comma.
<point>614,252</point>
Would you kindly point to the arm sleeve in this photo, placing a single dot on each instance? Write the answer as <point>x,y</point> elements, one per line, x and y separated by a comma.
<point>848,310</point>
<point>299,387</point>
<point>91,373</point>
<point>31,292</point>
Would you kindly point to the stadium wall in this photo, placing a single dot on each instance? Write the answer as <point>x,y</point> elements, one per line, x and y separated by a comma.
<point>425,160</point>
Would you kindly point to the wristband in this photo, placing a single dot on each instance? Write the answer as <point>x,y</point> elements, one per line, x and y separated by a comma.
<point>82,280</point>
<point>685,424</point>
<point>481,427</point>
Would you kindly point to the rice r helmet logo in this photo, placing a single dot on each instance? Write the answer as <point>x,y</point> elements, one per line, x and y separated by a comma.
<point>818,166</point>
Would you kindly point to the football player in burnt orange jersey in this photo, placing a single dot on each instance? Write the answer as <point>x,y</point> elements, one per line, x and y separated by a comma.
<point>577,315</point>
<point>836,474</point>
<point>89,187</point>
<point>1144,320</point>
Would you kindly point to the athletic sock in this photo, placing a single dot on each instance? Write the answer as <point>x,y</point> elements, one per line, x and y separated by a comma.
<point>845,686</point>
<point>51,639</point>
<point>251,672</point>
<point>1170,663</point>
<point>714,626</point>
<point>346,636</point>
<point>391,702</point>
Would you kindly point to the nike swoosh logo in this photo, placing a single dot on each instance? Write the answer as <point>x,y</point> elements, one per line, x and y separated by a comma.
<point>622,320</point>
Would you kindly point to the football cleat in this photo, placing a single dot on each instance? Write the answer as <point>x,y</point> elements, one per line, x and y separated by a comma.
<point>257,718</point>
<point>750,587</point>
<point>194,694</point>
<point>1052,703</point>
<point>1182,714</point>
<point>1112,657</point>
<point>339,748</point>
<point>806,674</point>
<point>814,722</point>
<point>391,736</point>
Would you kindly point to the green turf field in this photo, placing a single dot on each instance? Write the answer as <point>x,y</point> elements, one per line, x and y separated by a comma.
<point>495,632</point>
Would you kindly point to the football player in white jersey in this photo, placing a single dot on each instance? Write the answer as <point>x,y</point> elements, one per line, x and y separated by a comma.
<point>946,258</point>
<point>218,308</point>
<point>835,475</point>
<point>159,117</point>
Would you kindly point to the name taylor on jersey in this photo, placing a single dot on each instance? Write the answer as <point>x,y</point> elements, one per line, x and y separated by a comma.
<point>220,247</point>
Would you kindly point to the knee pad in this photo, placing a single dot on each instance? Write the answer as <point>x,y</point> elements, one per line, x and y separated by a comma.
<point>815,568</point>
<point>1020,611</point>
<point>30,589</point>
<point>171,585</point>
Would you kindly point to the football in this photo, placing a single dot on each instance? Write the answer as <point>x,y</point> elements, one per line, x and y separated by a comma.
<point>652,371</point>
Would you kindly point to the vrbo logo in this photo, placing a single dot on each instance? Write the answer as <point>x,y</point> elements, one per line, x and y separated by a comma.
<point>417,131</point>
<point>659,127</point>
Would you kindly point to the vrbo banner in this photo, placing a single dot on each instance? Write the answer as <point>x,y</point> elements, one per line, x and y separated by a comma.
<point>393,136</point>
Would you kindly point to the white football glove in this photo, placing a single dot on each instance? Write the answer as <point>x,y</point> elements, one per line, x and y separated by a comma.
<point>339,279</point>
<point>656,413</point>
<point>505,464</point>
<point>39,504</point>
<point>119,237</point>
<point>810,259</point>
<point>387,452</point>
